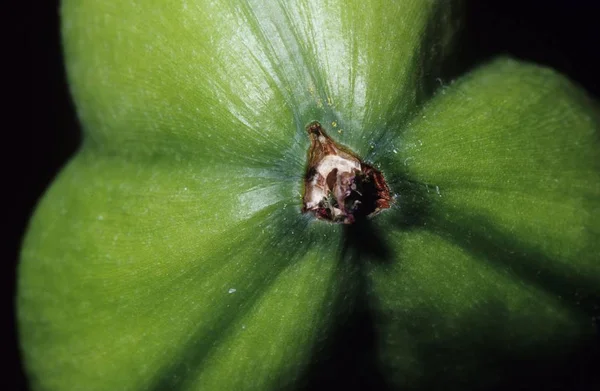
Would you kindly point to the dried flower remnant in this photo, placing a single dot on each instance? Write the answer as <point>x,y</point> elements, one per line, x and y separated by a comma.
<point>338,186</point>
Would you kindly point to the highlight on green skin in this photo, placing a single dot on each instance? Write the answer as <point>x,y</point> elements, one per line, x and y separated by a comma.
<point>171,252</point>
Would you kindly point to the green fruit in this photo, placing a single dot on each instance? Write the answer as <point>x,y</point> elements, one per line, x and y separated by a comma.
<point>171,252</point>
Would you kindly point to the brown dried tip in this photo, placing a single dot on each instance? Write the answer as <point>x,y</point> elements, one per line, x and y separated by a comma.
<point>338,186</point>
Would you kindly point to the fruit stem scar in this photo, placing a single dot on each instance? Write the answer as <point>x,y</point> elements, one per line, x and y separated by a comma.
<point>338,186</point>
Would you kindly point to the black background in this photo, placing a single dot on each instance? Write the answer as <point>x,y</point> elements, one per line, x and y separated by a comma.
<point>560,33</point>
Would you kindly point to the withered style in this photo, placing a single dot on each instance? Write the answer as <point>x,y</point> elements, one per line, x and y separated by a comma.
<point>338,186</point>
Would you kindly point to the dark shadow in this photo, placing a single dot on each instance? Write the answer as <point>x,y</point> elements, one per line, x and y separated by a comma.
<point>348,359</point>
<point>561,34</point>
<point>42,134</point>
<point>481,353</point>
<point>363,241</point>
<point>413,204</point>
<point>442,57</point>
<point>200,346</point>
<point>480,237</point>
<point>484,351</point>
<point>554,33</point>
<point>433,66</point>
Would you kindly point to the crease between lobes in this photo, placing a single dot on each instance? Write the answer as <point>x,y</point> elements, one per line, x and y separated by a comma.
<point>125,116</point>
<point>166,304</point>
<point>196,358</point>
<point>294,74</point>
<point>444,304</point>
<point>441,299</point>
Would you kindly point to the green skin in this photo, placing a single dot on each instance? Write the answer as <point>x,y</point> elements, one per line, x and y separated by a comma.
<point>189,185</point>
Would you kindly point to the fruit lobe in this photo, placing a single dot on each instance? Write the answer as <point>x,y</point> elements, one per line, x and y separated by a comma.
<point>188,185</point>
<point>171,252</point>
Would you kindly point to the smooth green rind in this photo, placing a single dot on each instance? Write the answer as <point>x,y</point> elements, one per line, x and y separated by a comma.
<point>514,150</point>
<point>502,263</point>
<point>127,269</point>
<point>189,186</point>
<point>218,79</point>
<point>448,319</point>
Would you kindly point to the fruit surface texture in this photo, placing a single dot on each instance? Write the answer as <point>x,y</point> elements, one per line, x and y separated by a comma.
<point>171,252</point>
